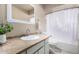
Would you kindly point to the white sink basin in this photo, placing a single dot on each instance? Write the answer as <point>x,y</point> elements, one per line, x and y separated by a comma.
<point>30,37</point>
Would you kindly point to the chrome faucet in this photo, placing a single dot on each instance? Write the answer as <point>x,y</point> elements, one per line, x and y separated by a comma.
<point>27,31</point>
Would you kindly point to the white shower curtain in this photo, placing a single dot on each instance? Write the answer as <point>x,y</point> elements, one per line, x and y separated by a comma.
<point>62,25</point>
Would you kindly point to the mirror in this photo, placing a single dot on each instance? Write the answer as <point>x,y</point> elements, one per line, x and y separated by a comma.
<point>23,13</point>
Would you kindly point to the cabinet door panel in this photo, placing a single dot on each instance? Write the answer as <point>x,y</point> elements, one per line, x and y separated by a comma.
<point>35,48</point>
<point>41,51</point>
<point>47,49</point>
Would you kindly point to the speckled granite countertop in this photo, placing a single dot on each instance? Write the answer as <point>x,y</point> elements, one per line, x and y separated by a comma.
<point>16,45</point>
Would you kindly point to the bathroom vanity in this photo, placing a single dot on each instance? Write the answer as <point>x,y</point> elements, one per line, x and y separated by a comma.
<point>19,46</point>
<point>39,48</point>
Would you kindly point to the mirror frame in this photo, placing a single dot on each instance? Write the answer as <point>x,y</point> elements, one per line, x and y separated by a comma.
<point>10,19</point>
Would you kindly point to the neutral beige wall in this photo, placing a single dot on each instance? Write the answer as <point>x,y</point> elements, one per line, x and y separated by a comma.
<point>3,13</point>
<point>20,29</point>
<point>40,17</point>
<point>51,8</point>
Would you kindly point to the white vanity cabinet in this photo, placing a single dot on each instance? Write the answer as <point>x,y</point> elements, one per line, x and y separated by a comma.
<point>39,48</point>
<point>35,48</point>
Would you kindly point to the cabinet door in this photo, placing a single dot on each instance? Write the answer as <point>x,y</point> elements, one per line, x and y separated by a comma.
<point>41,51</point>
<point>35,48</point>
<point>46,49</point>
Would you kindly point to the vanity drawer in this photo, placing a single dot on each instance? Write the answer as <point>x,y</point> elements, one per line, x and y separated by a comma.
<point>35,48</point>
